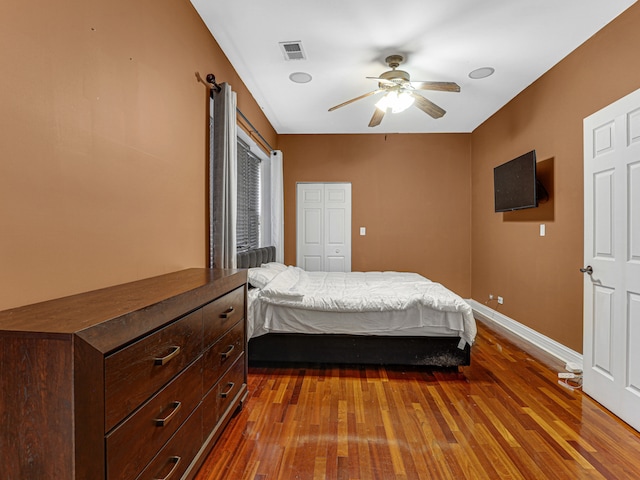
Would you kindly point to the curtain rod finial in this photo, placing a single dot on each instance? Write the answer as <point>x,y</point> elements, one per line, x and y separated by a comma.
<point>211,78</point>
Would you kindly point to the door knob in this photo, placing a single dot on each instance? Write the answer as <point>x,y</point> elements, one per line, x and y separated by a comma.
<point>588,270</point>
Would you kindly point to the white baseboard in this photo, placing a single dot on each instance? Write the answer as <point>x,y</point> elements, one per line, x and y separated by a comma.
<point>489,315</point>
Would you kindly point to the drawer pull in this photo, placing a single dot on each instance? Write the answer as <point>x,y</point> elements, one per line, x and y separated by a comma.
<point>163,360</point>
<point>227,313</point>
<point>226,394</point>
<point>226,354</point>
<point>176,461</point>
<point>161,422</point>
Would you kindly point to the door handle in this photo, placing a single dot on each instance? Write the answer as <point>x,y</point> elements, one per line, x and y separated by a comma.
<point>588,270</point>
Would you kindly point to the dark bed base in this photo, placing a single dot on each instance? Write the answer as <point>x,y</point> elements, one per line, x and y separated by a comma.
<point>353,349</point>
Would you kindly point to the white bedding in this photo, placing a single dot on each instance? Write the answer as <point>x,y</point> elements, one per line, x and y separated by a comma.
<point>358,303</point>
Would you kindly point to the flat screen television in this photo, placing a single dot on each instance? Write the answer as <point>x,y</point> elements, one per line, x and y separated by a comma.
<point>515,184</point>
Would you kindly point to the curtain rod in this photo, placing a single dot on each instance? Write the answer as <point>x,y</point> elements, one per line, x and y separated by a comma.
<point>216,88</point>
<point>271,149</point>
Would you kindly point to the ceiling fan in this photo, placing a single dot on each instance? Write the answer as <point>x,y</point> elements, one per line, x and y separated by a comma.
<point>399,92</point>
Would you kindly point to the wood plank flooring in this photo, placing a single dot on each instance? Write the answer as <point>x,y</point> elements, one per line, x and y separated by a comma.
<point>504,417</point>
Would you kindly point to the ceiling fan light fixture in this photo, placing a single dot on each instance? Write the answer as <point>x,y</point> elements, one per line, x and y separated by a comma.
<point>397,102</point>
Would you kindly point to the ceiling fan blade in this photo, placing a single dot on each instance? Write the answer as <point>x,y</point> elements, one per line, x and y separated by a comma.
<point>427,106</point>
<point>438,86</point>
<point>384,81</point>
<point>355,99</point>
<point>377,117</point>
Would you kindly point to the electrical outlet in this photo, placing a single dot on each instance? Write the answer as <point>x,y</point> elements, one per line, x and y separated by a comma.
<point>500,300</point>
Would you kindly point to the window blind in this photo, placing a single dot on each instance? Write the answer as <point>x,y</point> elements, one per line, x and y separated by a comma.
<point>248,220</point>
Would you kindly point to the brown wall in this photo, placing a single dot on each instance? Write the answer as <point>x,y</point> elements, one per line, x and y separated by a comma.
<point>538,276</point>
<point>411,192</point>
<point>420,225</point>
<point>103,167</point>
<point>104,141</point>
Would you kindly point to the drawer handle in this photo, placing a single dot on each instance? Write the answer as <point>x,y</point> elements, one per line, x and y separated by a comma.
<point>161,422</point>
<point>176,461</point>
<point>226,394</point>
<point>163,360</point>
<point>226,354</point>
<point>227,313</point>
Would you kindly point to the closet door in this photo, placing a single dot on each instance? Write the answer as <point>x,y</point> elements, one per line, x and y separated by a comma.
<point>310,226</point>
<point>324,227</point>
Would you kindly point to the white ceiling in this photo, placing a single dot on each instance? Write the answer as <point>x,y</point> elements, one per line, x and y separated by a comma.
<point>442,40</point>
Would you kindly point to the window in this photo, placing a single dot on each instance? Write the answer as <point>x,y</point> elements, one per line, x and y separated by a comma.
<point>248,221</point>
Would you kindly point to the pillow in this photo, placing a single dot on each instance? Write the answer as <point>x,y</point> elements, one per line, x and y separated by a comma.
<point>259,277</point>
<point>275,266</point>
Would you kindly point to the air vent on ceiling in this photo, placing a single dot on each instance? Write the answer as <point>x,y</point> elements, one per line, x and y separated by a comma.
<point>292,50</point>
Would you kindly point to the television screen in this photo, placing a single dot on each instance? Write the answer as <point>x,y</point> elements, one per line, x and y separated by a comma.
<point>514,183</point>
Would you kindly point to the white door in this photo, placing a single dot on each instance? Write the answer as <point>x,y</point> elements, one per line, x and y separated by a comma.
<point>612,257</point>
<point>324,227</point>
<point>337,221</point>
<point>310,226</point>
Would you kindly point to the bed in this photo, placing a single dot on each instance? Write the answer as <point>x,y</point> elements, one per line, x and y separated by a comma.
<point>386,318</point>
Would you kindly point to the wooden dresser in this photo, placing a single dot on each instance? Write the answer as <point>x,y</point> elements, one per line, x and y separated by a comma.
<point>134,381</point>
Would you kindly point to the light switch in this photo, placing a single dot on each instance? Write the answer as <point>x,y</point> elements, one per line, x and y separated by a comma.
<point>543,230</point>
<point>363,230</point>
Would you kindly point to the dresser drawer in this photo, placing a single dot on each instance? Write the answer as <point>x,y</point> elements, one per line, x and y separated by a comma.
<point>221,314</point>
<point>134,373</point>
<point>223,354</point>
<point>220,397</point>
<point>175,457</point>
<point>135,442</point>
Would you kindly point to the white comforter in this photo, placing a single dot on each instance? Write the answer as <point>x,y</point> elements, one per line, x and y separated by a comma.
<point>363,292</point>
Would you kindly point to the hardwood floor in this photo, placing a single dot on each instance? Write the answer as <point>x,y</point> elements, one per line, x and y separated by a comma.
<point>504,417</point>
